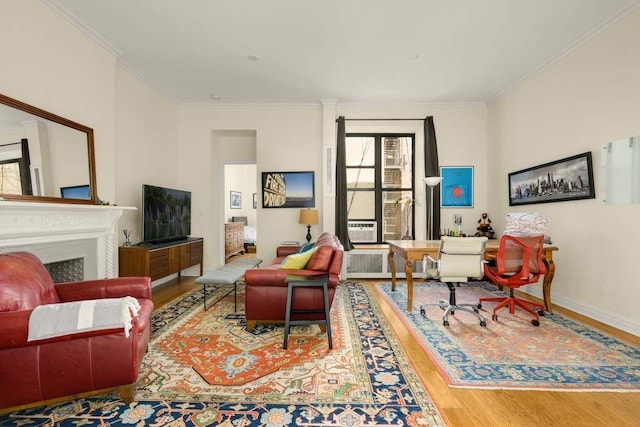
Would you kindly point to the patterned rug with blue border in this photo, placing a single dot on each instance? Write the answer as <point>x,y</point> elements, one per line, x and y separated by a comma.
<point>365,380</point>
<point>511,353</point>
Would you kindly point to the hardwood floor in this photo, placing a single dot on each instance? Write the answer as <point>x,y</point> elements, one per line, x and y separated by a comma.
<point>466,407</point>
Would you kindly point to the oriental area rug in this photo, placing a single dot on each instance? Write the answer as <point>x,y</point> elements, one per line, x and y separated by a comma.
<point>511,353</point>
<point>204,368</point>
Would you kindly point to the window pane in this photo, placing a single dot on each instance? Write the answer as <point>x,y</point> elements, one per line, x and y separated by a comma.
<point>397,214</point>
<point>10,178</point>
<point>361,205</point>
<point>397,155</point>
<point>360,151</point>
<point>361,178</point>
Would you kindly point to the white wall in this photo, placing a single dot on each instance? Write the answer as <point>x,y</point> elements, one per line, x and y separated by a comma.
<point>461,133</point>
<point>582,101</point>
<point>49,63</point>
<point>146,150</point>
<point>288,138</point>
<point>577,104</point>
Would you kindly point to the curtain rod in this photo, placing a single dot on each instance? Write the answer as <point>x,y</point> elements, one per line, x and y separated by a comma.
<point>382,120</point>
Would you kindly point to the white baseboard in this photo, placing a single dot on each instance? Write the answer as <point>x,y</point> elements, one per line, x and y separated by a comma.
<point>610,318</point>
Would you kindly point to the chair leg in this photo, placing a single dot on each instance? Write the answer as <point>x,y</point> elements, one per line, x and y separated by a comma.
<point>512,302</point>
<point>451,307</point>
<point>127,392</point>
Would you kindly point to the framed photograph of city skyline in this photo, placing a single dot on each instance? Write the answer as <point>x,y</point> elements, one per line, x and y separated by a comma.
<point>570,178</point>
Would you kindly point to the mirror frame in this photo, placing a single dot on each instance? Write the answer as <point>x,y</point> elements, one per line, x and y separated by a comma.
<point>93,197</point>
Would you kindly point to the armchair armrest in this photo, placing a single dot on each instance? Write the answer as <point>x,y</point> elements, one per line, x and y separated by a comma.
<point>432,259</point>
<point>14,331</point>
<point>137,287</point>
<point>14,327</point>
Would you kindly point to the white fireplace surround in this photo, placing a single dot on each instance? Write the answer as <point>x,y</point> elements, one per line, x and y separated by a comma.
<point>58,232</point>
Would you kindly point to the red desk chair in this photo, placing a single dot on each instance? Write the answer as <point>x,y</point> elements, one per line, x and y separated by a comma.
<point>518,263</point>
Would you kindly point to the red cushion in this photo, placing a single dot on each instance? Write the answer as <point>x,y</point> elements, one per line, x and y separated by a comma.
<point>320,259</point>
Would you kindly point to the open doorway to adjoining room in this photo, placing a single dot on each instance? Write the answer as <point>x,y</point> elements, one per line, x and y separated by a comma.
<point>241,202</point>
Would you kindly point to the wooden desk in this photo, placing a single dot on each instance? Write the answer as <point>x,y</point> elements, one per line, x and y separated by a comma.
<point>415,250</point>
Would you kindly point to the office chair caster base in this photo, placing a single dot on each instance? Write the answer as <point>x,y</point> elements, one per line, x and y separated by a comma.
<point>445,322</point>
<point>541,313</point>
<point>423,312</point>
<point>483,324</point>
<point>494,317</point>
<point>479,306</point>
<point>535,322</point>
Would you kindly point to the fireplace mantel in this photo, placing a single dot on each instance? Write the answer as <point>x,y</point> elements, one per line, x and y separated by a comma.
<point>39,227</point>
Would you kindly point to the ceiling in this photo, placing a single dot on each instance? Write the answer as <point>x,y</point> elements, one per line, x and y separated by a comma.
<point>353,51</point>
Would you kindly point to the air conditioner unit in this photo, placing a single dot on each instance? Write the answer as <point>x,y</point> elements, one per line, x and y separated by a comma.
<point>363,231</point>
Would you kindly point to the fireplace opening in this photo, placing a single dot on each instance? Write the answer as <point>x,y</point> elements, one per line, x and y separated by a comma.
<point>70,270</point>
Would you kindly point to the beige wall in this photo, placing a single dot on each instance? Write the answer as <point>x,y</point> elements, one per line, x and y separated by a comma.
<point>577,104</point>
<point>582,101</point>
<point>49,63</point>
<point>146,134</point>
<point>461,132</point>
<point>288,138</point>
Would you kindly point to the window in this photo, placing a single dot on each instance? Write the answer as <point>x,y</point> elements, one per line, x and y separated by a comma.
<point>15,176</point>
<point>380,183</point>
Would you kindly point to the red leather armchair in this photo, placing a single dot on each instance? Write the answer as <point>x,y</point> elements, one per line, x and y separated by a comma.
<point>266,290</point>
<point>35,371</point>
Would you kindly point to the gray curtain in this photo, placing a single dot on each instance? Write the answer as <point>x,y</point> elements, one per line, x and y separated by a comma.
<point>431,168</point>
<point>341,187</point>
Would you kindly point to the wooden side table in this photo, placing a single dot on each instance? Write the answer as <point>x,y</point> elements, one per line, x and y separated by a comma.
<point>317,281</point>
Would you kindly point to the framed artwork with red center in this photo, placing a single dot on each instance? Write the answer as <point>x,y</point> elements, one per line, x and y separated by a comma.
<point>457,187</point>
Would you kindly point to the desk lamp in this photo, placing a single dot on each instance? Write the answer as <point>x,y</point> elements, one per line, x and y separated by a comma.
<point>308,217</point>
<point>431,182</point>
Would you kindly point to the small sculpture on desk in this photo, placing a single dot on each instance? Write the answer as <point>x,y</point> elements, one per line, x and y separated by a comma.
<point>484,227</point>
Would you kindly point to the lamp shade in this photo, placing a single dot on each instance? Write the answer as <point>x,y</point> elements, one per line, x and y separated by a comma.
<point>308,216</point>
<point>432,181</point>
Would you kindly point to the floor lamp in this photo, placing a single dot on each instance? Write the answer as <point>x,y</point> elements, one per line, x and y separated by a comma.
<point>431,182</point>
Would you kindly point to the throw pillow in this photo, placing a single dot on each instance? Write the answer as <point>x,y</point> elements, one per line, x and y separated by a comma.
<point>320,259</point>
<point>305,247</point>
<point>297,261</point>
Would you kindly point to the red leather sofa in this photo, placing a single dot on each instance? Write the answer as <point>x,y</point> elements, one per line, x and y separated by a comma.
<point>36,371</point>
<point>266,290</point>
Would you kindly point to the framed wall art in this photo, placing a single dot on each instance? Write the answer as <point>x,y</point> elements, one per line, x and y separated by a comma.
<point>456,187</point>
<point>288,189</point>
<point>236,200</point>
<point>570,178</point>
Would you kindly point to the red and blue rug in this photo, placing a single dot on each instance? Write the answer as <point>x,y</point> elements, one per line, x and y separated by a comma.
<point>511,353</point>
<point>204,368</point>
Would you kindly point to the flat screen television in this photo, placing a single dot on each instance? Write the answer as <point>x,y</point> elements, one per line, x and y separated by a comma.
<point>166,214</point>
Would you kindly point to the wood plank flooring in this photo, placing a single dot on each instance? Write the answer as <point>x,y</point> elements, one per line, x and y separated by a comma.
<point>465,407</point>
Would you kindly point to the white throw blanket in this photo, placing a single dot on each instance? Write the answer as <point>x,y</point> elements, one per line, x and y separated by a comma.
<point>54,320</point>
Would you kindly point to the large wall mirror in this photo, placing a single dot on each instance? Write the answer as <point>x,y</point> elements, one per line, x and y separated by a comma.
<point>44,157</point>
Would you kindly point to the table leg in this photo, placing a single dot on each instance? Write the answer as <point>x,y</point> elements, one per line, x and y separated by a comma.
<point>546,282</point>
<point>392,265</point>
<point>408,267</point>
<point>287,316</point>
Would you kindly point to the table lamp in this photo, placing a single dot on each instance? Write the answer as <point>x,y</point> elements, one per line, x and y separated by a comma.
<point>431,182</point>
<point>308,217</point>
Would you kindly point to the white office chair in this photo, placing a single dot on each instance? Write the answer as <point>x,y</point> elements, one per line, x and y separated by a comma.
<point>458,259</point>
